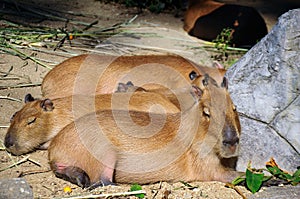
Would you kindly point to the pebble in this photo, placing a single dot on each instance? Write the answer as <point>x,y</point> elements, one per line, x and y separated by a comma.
<point>15,188</point>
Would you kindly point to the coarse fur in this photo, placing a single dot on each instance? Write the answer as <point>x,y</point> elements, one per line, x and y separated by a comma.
<point>200,143</point>
<point>40,120</point>
<point>91,74</point>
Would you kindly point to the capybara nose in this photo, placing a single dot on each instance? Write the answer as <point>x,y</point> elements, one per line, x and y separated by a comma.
<point>9,140</point>
<point>232,142</point>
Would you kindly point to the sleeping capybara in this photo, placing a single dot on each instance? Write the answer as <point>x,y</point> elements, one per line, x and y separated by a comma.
<point>40,120</point>
<point>91,74</point>
<point>199,143</point>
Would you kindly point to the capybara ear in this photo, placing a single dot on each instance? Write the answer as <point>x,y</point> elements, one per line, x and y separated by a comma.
<point>28,98</point>
<point>217,65</point>
<point>129,83</point>
<point>122,88</point>
<point>47,105</point>
<point>224,83</point>
<point>193,75</point>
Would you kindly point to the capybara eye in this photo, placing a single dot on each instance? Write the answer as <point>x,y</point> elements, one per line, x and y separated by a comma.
<point>233,107</point>
<point>31,120</point>
<point>12,117</point>
<point>206,112</point>
<point>193,75</point>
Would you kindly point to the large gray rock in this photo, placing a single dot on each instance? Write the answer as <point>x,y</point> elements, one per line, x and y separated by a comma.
<point>265,86</point>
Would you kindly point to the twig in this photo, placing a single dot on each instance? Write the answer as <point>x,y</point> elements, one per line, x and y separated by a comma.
<point>229,185</point>
<point>8,72</point>
<point>22,174</point>
<point>4,126</point>
<point>129,193</point>
<point>51,52</point>
<point>21,54</point>
<point>10,98</point>
<point>21,86</point>
<point>17,163</point>
<point>9,78</point>
<point>160,185</point>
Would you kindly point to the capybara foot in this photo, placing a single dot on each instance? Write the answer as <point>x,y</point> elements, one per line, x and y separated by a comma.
<point>72,174</point>
<point>101,183</point>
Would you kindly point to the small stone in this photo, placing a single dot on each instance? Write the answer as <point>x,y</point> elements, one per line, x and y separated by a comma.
<point>15,188</point>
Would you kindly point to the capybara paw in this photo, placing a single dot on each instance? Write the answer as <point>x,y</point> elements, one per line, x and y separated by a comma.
<point>101,183</point>
<point>74,175</point>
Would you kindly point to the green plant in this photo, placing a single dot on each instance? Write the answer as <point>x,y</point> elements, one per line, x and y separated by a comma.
<point>254,178</point>
<point>136,187</point>
<point>223,40</point>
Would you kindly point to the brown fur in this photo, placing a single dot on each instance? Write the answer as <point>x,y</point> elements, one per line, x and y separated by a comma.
<point>196,9</point>
<point>97,74</point>
<point>188,146</point>
<point>46,123</point>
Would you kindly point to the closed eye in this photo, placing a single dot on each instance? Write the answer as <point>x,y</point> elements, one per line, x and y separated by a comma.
<point>31,120</point>
<point>206,112</point>
<point>12,117</point>
<point>233,107</point>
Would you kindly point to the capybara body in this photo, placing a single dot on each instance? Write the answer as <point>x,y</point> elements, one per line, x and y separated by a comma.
<point>199,143</point>
<point>207,19</point>
<point>91,74</point>
<point>40,120</point>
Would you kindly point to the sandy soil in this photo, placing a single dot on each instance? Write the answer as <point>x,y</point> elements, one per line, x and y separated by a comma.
<point>36,170</point>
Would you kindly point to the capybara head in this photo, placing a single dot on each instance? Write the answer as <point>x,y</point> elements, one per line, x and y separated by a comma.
<point>224,128</point>
<point>27,124</point>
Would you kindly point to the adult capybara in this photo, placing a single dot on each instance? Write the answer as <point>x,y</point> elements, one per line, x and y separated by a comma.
<point>40,120</point>
<point>206,19</point>
<point>199,143</point>
<point>91,74</point>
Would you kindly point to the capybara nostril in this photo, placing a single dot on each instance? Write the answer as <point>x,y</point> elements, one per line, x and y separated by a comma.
<point>9,140</point>
<point>231,142</point>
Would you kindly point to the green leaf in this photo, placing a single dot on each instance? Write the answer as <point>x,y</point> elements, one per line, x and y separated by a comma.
<point>136,187</point>
<point>285,176</point>
<point>254,180</point>
<point>295,181</point>
<point>266,178</point>
<point>297,173</point>
<point>296,178</point>
<point>238,180</point>
<point>274,170</point>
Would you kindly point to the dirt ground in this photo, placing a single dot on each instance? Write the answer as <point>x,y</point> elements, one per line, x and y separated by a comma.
<point>16,74</point>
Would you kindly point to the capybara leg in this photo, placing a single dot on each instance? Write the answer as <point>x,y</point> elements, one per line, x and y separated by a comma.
<point>106,177</point>
<point>72,174</point>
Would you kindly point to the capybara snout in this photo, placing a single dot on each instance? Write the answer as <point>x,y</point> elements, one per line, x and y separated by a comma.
<point>9,141</point>
<point>230,143</point>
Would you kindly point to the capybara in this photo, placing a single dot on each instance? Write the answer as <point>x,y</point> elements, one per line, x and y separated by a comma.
<point>200,143</point>
<point>40,120</point>
<point>206,19</point>
<point>91,74</point>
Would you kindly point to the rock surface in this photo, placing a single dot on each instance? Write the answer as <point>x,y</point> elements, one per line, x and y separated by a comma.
<point>277,193</point>
<point>264,84</point>
<point>15,188</point>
